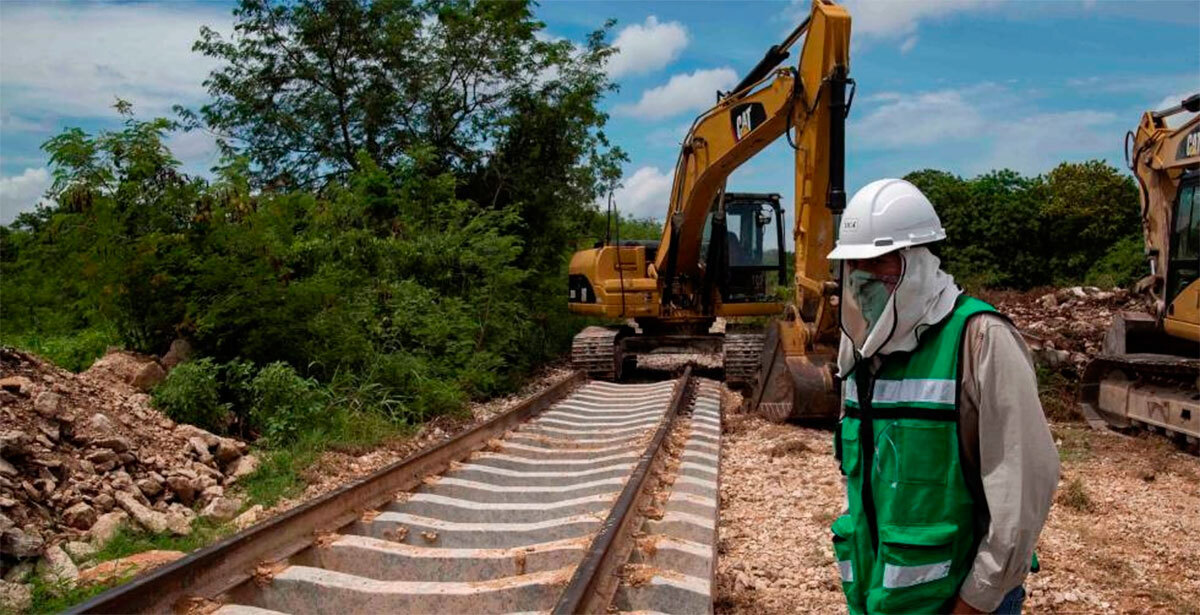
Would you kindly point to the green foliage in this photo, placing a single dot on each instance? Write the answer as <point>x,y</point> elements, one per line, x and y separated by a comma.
<point>1010,231</point>
<point>1090,207</point>
<point>1056,391</point>
<point>1123,263</point>
<point>640,228</point>
<point>191,394</point>
<point>50,595</point>
<point>422,260</point>
<point>284,403</point>
<point>130,540</point>
<point>390,78</point>
<point>346,427</point>
<point>74,351</point>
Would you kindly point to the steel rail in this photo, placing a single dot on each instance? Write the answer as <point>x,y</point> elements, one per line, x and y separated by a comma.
<point>591,588</point>
<point>220,567</point>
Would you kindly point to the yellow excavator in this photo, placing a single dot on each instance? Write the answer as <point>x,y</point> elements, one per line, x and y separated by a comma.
<point>1148,374</point>
<point>714,258</point>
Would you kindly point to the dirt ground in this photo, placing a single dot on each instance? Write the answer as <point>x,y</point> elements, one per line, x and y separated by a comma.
<point>1122,537</point>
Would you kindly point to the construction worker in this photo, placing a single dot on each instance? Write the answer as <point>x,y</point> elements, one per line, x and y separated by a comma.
<point>949,465</point>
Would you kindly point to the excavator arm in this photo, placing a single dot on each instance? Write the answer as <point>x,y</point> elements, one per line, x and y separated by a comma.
<point>809,101</point>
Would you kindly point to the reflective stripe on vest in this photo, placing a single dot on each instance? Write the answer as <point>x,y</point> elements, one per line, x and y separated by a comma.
<point>925,392</point>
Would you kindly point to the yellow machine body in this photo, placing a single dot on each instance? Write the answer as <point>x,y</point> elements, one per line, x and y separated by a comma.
<point>1149,371</point>
<point>673,289</point>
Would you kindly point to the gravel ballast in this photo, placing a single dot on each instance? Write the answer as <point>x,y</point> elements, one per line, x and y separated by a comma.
<point>1121,537</point>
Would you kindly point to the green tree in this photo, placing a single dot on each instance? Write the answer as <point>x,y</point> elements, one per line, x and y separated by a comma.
<point>304,86</point>
<point>1090,206</point>
<point>116,243</point>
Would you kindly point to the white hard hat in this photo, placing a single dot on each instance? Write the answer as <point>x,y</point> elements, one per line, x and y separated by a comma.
<point>883,216</point>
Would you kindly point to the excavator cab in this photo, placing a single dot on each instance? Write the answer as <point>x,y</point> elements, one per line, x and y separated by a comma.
<point>747,249</point>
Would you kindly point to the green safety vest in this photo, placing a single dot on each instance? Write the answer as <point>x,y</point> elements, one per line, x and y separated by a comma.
<point>910,537</point>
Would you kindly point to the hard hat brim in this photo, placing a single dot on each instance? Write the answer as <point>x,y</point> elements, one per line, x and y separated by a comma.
<point>861,251</point>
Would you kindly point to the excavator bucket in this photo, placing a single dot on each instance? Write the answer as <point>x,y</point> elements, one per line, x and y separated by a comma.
<point>794,385</point>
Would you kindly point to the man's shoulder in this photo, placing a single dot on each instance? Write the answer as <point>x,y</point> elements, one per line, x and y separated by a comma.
<point>988,328</point>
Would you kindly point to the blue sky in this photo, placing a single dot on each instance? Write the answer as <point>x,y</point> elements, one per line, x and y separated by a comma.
<point>964,86</point>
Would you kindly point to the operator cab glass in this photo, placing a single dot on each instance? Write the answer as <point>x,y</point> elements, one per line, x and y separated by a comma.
<point>751,256</point>
<point>1183,267</point>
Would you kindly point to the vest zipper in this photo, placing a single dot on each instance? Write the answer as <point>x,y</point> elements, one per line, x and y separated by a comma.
<point>866,445</point>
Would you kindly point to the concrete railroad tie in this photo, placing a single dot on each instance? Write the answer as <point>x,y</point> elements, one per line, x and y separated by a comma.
<point>679,569</point>
<point>504,530</point>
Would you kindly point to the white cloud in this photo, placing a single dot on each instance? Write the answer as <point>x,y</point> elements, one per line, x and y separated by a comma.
<point>645,194</point>
<point>1037,142</point>
<point>916,119</point>
<point>981,127</point>
<point>196,150</point>
<point>646,47</point>
<point>892,19</point>
<point>669,137</point>
<point>685,92</point>
<point>22,192</point>
<point>73,60</point>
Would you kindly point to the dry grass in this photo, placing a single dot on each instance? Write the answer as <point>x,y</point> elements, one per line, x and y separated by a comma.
<point>1073,495</point>
<point>788,447</point>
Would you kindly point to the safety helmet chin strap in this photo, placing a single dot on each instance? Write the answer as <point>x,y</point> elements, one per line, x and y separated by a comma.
<point>924,296</point>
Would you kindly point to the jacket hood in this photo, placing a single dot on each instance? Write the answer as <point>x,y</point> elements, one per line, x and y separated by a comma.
<point>924,296</point>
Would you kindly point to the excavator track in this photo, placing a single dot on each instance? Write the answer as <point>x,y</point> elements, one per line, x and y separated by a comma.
<point>743,353</point>
<point>595,351</point>
<point>1153,369</point>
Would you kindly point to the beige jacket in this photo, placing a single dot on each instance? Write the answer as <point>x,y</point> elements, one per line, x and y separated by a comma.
<point>1006,439</point>
<point>1007,443</point>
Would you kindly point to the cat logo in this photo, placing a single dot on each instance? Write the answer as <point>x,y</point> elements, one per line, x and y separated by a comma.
<point>743,124</point>
<point>746,117</point>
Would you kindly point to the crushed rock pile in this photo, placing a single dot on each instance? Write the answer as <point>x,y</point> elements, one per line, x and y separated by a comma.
<point>1065,327</point>
<point>81,454</point>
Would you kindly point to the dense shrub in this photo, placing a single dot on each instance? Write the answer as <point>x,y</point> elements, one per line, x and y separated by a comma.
<point>191,394</point>
<point>1123,264</point>
<point>285,404</point>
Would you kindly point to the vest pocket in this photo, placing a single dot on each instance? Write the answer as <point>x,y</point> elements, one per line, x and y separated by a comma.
<point>843,555</point>
<point>917,562</point>
<point>928,449</point>
<point>847,445</point>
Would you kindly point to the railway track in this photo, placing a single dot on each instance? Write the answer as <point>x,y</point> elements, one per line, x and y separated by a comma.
<point>588,497</point>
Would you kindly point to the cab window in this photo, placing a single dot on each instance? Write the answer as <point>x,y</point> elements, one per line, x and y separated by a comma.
<point>1184,265</point>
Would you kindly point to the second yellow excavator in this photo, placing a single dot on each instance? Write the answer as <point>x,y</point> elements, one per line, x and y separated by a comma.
<point>713,259</point>
<point>1148,374</point>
